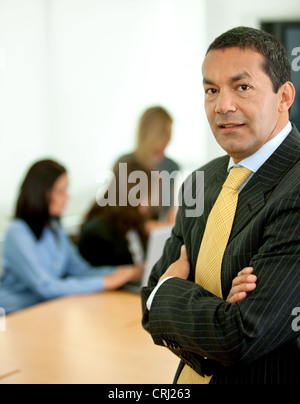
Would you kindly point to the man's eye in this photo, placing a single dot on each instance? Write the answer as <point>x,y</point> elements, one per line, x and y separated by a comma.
<point>211,91</point>
<point>244,87</point>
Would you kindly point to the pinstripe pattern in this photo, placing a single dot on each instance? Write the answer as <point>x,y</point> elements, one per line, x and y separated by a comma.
<point>251,341</point>
<point>213,245</point>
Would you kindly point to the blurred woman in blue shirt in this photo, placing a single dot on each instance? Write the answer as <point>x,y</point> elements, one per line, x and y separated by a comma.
<point>39,260</point>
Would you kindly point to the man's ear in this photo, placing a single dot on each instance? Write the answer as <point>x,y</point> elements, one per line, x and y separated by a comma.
<point>287,94</point>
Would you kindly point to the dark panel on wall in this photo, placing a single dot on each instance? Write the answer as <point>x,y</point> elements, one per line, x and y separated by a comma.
<point>288,33</point>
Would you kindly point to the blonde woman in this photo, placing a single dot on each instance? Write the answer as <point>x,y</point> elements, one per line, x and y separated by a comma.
<point>153,137</point>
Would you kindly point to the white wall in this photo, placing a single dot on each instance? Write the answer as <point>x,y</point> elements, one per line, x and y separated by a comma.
<point>92,67</point>
<point>22,94</point>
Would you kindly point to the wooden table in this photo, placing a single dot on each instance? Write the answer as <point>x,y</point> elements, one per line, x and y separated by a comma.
<point>85,340</point>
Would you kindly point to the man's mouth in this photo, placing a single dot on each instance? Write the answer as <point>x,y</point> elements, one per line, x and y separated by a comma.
<point>230,126</point>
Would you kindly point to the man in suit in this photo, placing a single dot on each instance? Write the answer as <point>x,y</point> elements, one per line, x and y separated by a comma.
<point>245,334</point>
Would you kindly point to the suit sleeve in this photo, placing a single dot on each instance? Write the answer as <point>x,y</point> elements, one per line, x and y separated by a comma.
<point>199,324</point>
<point>170,255</point>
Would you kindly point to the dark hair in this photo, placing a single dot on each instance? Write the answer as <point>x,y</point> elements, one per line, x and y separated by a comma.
<point>277,65</point>
<point>33,201</point>
<point>123,218</point>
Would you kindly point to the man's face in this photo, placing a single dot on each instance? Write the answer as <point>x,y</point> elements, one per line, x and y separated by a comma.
<point>240,102</point>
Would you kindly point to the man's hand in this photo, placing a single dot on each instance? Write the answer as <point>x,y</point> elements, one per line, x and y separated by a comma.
<point>241,285</point>
<point>244,283</point>
<point>180,269</point>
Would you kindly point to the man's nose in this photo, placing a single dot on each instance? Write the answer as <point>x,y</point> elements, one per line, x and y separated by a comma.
<point>225,103</point>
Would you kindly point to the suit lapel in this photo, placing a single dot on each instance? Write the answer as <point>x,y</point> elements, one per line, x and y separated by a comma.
<point>253,197</point>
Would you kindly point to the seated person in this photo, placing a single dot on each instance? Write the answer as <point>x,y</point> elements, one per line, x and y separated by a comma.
<point>114,234</point>
<point>40,262</point>
<point>153,137</point>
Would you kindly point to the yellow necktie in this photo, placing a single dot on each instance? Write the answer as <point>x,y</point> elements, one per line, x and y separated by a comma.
<point>215,239</point>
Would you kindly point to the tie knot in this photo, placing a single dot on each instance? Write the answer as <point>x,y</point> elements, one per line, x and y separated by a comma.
<point>237,177</point>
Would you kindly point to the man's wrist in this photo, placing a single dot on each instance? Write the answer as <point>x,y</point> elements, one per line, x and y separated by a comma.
<point>152,296</point>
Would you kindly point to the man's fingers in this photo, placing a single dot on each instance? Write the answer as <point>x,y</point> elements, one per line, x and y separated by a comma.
<point>183,254</point>
<point>239,292</point>
<point>237,297</point>
<point>180,268</point>
<point>244,287</point>
<point>246,271</point>
<point>239,280</point>
<point>244,282</point>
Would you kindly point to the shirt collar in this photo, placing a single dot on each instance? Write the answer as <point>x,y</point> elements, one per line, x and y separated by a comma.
<point>257,159</point>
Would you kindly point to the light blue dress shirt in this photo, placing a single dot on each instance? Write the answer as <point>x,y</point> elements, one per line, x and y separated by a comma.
<point>39,270</point>
<point>253,163</point>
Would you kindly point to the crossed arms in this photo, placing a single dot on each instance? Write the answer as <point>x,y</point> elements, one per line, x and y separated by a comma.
<point>240,329</point>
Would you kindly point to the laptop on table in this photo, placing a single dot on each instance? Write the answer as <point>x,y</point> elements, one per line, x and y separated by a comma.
<point>156,245</point>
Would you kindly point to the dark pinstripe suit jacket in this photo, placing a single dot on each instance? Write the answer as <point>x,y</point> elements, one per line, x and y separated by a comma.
<point>251,341</point>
